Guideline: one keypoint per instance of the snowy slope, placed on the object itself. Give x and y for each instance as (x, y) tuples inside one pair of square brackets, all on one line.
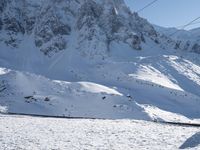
[(93, 59), (51, 133), (31, 94), (121, 94)]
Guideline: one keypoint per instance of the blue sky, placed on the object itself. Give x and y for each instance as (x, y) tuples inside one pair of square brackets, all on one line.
[(168, 13)]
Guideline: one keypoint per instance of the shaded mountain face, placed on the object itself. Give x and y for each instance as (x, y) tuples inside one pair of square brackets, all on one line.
[(53, 24)]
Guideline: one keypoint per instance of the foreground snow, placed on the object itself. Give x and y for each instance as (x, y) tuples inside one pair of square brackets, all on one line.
[(20, 132)]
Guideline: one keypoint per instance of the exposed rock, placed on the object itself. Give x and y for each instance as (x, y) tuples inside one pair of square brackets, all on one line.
[(196, 48), (47, 99), (11, 24), (95, 23), (2, 5), (1, 24)]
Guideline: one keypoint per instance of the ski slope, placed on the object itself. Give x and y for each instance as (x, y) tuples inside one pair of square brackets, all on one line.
[(147, 85), (152, 84)]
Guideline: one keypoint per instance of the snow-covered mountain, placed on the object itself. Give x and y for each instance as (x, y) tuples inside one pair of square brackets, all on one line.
[(54, 24), (93, 58), (185, 39), (193, 34)]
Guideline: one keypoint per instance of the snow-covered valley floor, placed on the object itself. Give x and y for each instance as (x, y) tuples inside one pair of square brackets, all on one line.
[(24, 132)]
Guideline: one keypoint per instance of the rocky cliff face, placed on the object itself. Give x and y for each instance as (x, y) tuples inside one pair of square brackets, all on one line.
[(90, 25), (52, 24)]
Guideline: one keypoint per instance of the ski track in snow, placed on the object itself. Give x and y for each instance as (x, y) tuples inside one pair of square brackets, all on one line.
[(50, 133)]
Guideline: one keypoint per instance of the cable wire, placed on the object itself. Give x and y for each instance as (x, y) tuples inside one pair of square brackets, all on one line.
[(183, 27), (146, 6), (190, 24)]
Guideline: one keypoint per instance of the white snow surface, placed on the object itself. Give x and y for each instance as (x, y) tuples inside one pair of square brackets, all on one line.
[(94, 59), (89, 78), (50, 133), (123, 85), (150, 84)]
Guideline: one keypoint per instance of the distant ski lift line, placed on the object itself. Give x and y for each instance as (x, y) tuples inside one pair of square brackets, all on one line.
[(149, 4), (188, 24)]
